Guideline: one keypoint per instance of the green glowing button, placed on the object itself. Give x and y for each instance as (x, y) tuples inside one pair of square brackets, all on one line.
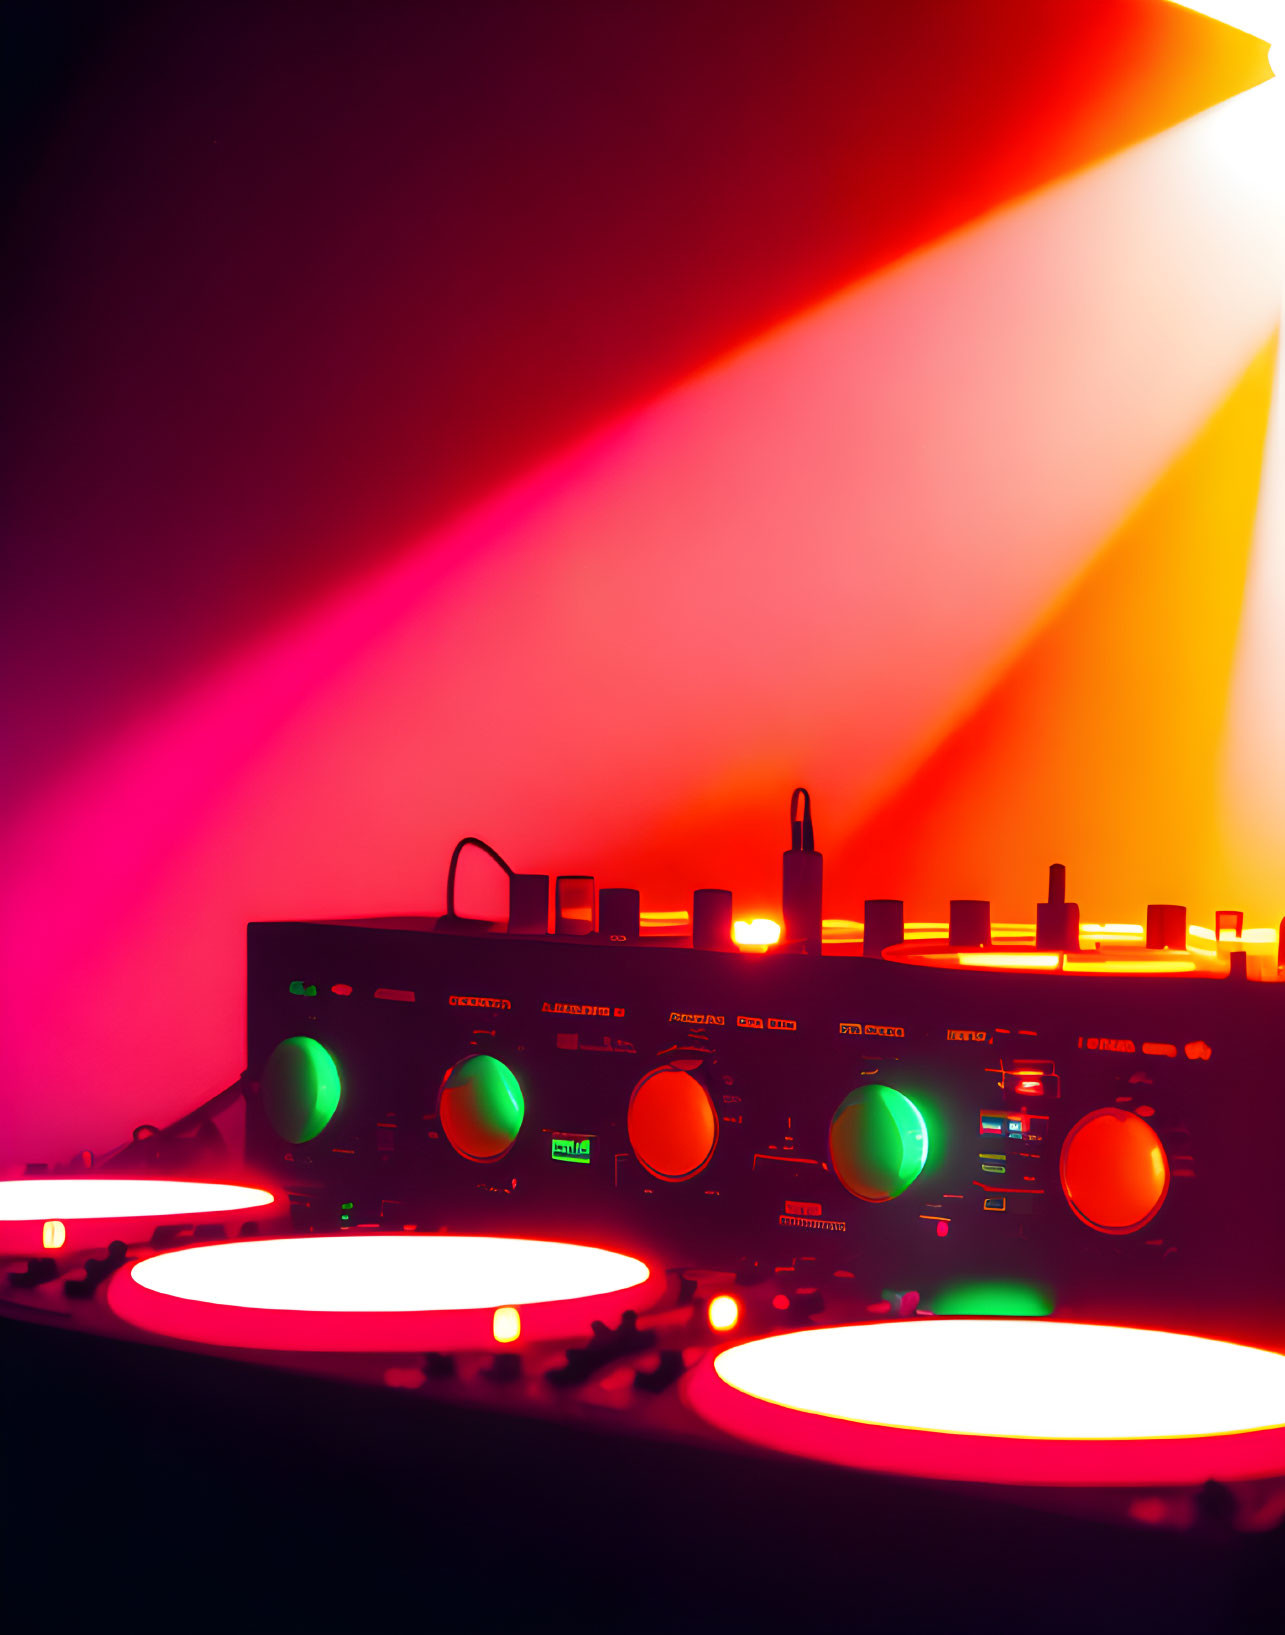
[(481, 1108), (878, 1142), (300, 1089), (993, 1299)]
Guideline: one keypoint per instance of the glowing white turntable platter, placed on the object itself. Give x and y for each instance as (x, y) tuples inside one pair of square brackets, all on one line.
[(381, 1293), (1006, 1401), (43, 1214)]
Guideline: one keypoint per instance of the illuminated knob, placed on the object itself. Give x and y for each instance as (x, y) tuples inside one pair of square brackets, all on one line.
[(481, 1108), (878, 1142), (1114, 1171), (673, 1127), (300, 1089)]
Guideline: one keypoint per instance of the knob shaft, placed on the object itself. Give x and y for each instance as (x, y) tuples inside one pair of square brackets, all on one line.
[(1166, 925), (529, 904), (712, 919), (618, 913), (970, 923), (885, 925), (1057, 922)]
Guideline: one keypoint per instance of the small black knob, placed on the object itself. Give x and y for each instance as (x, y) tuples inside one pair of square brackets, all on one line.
[(618, 914), (682, 1287), (573, 905), (504, 1367), (805, 1303), (970, 923), (668, 1369), (43, 1269), (712, 919), (96, 1271), (1057, 922), (439, 1365), (529, 904), (884, 927), (1166, 926), (605, 1345)]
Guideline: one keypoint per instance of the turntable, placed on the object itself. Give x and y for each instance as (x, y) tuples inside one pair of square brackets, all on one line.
[(617, 1269)]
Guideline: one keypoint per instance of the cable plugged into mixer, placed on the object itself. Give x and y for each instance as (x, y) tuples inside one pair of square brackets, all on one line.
[(801, 869)]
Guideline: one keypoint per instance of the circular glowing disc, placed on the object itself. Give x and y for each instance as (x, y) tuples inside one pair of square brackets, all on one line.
[(385, 1293), (300, 1089), (672, 1125), (1006, 1401), (1113, 1170), (481, 1108), (94, 1209), (878, 1142)]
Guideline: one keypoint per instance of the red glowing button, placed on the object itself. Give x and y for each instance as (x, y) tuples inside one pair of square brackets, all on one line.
[(1027, 1402), (1114, 1171), (390, 1293), (481, 1108), (673, 1127), (87, 1211)]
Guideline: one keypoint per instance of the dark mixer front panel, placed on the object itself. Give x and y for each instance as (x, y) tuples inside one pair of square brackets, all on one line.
[(1087, 1138)]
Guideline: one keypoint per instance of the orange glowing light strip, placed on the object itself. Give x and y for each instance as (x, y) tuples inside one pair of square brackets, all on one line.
[(1259, 934), (663, 922), (1005, 959), (842, 931), (1129, 967)]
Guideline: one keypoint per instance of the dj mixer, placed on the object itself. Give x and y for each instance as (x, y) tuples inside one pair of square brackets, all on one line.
[(607, 1270)]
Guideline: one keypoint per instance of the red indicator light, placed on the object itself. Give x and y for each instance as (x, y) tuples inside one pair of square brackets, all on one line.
[(781, 1302), (724, 1313), (1114, 1171), (405, 996), (342, 988), (672, 1125)]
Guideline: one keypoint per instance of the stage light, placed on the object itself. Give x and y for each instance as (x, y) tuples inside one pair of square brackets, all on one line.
[(1262, 18)]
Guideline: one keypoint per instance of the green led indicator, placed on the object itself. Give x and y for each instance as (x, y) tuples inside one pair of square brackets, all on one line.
[(307, 989), (993, 1299), (878, 1142), (570, 1150), (481, 1108), (300, 1089)]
